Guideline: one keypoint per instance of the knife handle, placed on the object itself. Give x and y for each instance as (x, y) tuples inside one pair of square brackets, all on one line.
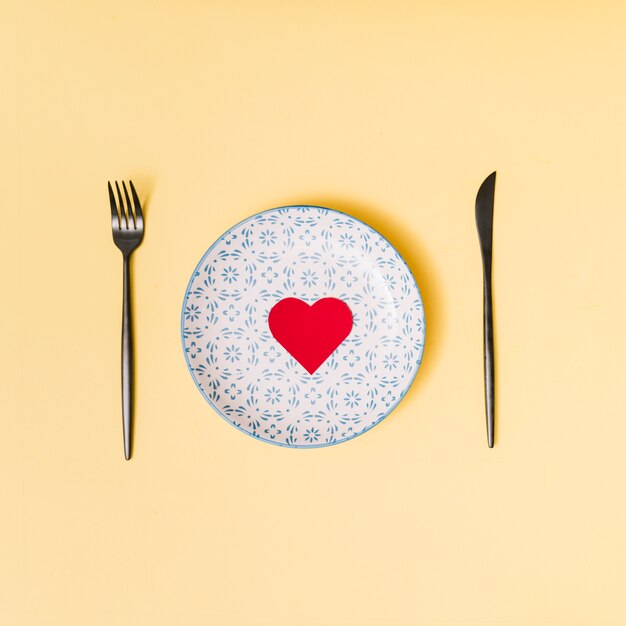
[(489, 353)]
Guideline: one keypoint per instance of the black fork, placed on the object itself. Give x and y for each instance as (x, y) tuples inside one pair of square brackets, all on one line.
[(127, 225)]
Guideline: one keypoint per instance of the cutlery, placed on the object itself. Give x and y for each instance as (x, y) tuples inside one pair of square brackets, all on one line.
[(484, 224), (127, 225)]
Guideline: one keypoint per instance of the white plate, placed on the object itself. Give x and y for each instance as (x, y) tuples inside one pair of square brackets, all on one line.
[(241, 315)]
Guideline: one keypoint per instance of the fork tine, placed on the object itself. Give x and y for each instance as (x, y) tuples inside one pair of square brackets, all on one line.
[(129, 206), (122, 207), (138, 213), (115, 217)]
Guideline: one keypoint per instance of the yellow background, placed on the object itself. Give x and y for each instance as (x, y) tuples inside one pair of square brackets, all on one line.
[(395, 112)]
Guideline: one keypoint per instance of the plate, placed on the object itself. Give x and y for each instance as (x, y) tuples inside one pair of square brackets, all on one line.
[(303, 326)]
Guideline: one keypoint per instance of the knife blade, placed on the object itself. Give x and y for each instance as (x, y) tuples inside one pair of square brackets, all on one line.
[(484, 224)]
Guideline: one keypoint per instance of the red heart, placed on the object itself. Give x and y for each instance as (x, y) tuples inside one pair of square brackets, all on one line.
[(310, 333)]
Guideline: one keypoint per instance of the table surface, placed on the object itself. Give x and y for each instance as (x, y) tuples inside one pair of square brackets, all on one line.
[(391, 111)]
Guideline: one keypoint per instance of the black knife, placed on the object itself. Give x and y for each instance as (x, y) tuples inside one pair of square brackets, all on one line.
[(484, 224)]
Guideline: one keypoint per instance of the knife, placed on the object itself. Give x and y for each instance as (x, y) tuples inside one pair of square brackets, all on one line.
[(484, 224)]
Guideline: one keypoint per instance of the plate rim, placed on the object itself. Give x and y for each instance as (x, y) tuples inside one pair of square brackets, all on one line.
[(218, 411)]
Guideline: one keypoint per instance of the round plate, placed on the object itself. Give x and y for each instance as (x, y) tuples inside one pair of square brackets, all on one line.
[(303, 326)]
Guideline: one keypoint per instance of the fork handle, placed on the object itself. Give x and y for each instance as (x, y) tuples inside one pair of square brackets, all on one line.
[(489, 353), (127, 362)]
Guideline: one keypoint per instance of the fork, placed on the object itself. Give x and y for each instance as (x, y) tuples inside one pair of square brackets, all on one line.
[(127, 225)]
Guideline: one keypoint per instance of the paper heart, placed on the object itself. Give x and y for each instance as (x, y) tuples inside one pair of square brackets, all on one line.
[(310, 333)]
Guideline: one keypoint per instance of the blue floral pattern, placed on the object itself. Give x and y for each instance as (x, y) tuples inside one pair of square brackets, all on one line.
[(308, 253)]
